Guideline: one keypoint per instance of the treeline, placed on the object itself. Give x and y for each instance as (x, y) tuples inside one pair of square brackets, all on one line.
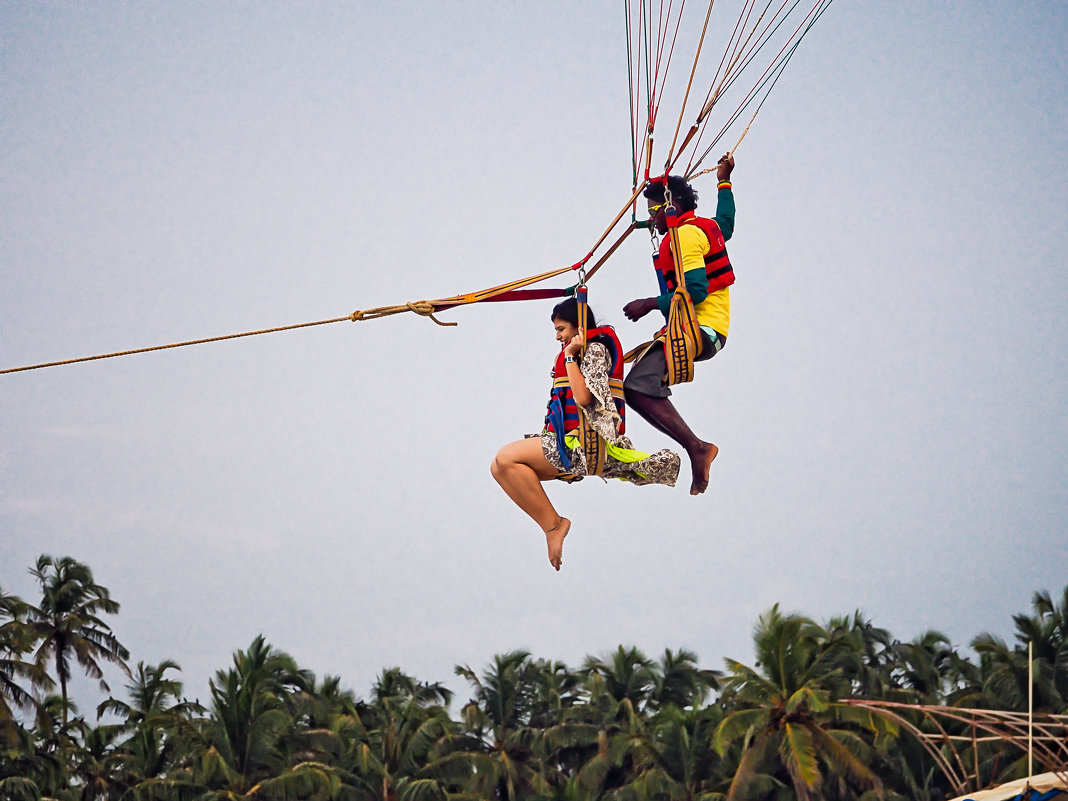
[(620, 726)]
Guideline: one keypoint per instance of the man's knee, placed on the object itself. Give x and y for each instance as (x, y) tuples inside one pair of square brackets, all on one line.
[(634, 397)]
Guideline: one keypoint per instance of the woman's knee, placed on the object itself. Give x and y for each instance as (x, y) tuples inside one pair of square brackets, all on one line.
[(504, 459), (497, 466)]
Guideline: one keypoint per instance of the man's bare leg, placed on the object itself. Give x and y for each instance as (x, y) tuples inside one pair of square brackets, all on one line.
[(663, 416), (519, 468)]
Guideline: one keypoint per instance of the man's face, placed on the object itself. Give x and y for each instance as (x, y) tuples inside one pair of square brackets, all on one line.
[(658, 215)]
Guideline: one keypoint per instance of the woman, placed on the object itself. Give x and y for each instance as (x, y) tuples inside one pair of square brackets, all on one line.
[(521, 466)]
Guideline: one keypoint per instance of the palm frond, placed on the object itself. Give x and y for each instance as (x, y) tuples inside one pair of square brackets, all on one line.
[(799, 754), (19, 789), (737, 724), (421, 790)]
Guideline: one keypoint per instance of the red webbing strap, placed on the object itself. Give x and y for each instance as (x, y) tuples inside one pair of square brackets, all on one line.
[(486, 294), (511, 295)]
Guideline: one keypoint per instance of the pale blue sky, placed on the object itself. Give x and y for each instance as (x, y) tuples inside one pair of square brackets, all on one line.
[(891, 408)]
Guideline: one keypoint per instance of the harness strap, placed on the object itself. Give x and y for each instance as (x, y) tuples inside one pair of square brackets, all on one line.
[(680, 338), (556, 419), (590, 442), (682, 342)]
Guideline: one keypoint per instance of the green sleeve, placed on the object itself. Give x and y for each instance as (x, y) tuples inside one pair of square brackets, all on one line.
[(664, 303), (696, 285), (724, 215)]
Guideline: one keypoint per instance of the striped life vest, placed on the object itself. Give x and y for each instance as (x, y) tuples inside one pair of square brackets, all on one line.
[(718, 268), (562, 416)]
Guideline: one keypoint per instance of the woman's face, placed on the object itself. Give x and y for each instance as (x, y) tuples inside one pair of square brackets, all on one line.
[(565, 332)]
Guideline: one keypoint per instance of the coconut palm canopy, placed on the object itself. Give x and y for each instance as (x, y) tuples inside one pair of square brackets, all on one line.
[(623, 725)]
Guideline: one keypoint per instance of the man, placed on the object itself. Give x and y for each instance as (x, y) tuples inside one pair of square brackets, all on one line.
[(708, 275)]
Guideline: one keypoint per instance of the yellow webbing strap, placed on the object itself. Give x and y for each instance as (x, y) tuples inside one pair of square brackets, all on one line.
[(591, 443), (682, 338), (634, 354), (683, 342), (592, 447)]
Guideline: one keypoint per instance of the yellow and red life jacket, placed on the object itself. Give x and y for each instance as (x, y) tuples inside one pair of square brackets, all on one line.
[(718, 268)]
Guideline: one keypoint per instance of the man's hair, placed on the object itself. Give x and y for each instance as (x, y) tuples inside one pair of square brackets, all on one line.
[(683, 196)]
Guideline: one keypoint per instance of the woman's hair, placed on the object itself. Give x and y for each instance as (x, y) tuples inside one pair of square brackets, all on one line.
[(683, 196), (567, 310)]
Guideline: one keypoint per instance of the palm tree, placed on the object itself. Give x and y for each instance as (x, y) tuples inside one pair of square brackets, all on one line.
[(240, 750), (55, 744), (634, 708), (1047, 631), (155, 720), (922, 669), (97, 765), (566, 736), (556, 690), (1002, 680), (328, 738), (67, 622), (621, 692), (502, 756), (401, 727), (627, 675), (677, 759), (862, 652), (679, 682), (786, 714), (251, 714), (25, 767), (15, 642)]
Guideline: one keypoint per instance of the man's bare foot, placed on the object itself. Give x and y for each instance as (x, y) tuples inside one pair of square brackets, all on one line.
[(554, 538), (701, 464)]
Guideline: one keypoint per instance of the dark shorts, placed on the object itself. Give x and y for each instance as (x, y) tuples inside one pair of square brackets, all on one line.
[(647, 374)]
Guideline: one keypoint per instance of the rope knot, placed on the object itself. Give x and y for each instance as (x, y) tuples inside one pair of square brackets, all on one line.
[(425, 308)]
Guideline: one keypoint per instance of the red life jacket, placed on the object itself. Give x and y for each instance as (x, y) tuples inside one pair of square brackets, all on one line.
[(562, 402), (718, 268)]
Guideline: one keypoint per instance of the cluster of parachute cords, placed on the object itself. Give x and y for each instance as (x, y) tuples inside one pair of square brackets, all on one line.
[(652, 30)]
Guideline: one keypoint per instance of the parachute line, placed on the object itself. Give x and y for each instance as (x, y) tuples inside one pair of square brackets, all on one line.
[(758, 27)]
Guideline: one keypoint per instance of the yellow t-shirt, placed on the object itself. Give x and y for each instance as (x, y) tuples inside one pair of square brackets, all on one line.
[(715, 310)]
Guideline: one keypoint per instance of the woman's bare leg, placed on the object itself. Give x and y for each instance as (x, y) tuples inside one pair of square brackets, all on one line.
[(519, 468)]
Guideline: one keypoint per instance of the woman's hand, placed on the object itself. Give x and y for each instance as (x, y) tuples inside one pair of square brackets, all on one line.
[(583, 396)]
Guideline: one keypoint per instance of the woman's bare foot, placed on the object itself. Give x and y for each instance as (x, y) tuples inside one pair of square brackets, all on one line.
[(701, 463), (554, 538)]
